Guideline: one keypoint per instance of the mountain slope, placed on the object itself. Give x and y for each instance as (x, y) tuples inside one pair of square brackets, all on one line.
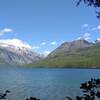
[(78, 53), (10, 54), (70, 47)]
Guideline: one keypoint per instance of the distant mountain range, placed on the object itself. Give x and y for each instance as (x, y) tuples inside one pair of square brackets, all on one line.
[(13, 55), (78, 53)]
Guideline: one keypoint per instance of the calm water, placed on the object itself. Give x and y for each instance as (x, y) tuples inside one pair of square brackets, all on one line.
[(46, 84)]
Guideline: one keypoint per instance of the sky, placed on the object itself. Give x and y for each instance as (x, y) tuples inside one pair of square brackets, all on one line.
[(45, 24)]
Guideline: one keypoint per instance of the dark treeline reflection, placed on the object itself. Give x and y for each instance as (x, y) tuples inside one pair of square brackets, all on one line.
[(90, 91)]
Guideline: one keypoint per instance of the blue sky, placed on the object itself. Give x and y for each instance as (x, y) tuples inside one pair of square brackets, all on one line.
[(45, 24)]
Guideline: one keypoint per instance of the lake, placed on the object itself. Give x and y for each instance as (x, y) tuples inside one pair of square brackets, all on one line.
[(44, 83)]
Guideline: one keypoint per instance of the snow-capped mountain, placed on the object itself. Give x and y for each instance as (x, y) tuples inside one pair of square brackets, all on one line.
[(97, 40), (16, 52)]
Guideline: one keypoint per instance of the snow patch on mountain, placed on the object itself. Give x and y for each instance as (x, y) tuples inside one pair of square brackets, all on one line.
[(15, 51), (15, 42)]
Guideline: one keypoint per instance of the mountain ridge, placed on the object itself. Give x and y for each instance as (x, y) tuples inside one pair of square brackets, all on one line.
[(72, 54), (15, 55), (69, 47)]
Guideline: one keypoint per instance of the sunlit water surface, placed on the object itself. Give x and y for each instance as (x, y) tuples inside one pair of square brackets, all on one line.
[(44, 83)]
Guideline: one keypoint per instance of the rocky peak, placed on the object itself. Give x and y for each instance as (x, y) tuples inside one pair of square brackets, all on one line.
[(71, 47), (67, 46)]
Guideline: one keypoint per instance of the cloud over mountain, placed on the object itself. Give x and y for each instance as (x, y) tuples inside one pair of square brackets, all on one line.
[(16, 42), (45, 53), (53, 43)]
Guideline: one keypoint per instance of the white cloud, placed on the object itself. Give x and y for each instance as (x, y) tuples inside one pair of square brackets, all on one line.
[(87, 36), (16, 43), (96, 28), (98, 40), (79, 38), (43, 43), (45, 53), (85, 25), (5, 30), (53, 43)]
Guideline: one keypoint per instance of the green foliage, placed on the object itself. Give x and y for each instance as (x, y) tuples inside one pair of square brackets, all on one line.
[(4, 95), (94, 3), (87, 57), (90, 90), (32, 98)]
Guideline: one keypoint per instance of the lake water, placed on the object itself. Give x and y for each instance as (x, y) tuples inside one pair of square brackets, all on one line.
[(46, 84)]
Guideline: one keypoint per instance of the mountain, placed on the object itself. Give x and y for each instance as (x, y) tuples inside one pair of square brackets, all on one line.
[(70, 47), (78, 53), (14, 55)]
